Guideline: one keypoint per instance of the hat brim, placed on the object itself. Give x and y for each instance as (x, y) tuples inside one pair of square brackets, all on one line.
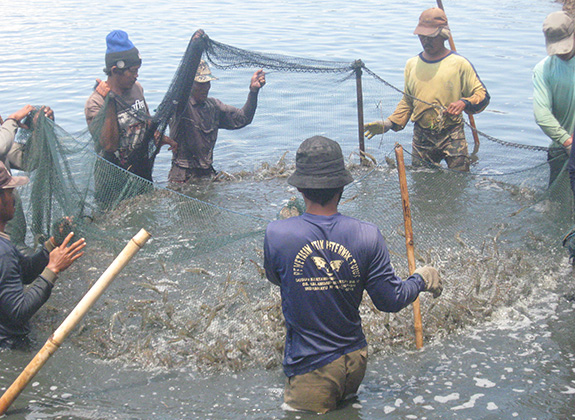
[(427, 31), (205, 78), (320, 182), (563, 46), (16, 181)]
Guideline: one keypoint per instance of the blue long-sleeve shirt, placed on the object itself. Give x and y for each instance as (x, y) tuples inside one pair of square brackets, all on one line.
[(17, 305), (323, 264)]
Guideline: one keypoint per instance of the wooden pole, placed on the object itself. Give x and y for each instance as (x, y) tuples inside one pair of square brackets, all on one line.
[(359, 93), (418, 326), (471, 118), (73, 319)]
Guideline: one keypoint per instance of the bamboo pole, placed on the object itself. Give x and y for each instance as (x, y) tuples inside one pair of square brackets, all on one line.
[(360, 123), (57, 338), (418, 326), (471, 118)]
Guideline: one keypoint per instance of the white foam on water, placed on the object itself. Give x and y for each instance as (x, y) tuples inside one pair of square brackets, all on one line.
[(388, 409), (492, 406), (483, 383), (470, 403), (447, 398)]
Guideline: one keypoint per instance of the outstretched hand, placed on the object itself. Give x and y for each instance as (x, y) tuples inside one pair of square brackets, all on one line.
[(258, 80), (377, 127), (19, 115), (63, 256)]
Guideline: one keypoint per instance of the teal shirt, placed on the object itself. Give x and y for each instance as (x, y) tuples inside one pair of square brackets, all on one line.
[(554, 98)]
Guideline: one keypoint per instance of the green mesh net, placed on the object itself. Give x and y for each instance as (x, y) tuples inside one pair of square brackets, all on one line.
[(196, 295)]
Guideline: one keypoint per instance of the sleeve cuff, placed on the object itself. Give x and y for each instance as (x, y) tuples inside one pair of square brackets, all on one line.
[(10, 124), (421, 282), (49, 245), (49, 276)]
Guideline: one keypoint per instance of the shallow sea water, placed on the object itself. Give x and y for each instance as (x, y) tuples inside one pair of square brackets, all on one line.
[(517, 363)]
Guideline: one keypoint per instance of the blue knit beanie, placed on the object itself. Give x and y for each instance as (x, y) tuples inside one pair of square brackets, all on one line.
[(120, 51)]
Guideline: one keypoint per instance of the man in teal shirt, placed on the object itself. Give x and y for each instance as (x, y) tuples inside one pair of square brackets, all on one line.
[(554, 89)]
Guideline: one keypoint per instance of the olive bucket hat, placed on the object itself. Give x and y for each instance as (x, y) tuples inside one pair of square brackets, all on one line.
[(319, 164)]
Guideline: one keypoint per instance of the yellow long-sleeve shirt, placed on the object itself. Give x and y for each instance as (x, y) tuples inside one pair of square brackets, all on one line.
[(440, 83)]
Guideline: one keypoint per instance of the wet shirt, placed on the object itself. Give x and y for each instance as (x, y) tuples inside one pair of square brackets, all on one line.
[(132, 113), (554, 98), (196, 129), (440, 82), (17, 305), (322, 265)]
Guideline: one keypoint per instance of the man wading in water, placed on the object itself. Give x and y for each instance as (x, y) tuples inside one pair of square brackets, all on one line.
[(17, 305), (323, 261), (439, 85)]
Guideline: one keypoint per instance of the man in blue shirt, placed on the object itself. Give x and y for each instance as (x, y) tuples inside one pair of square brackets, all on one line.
[(323, 261)]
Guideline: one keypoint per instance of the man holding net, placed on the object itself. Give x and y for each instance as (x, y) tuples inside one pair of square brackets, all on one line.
[(195, 126), (554, 90), (118, 116), (439, 85), (323, 261), (12, 155), (40, 271)]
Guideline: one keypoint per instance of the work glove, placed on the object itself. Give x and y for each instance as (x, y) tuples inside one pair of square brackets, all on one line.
[(432, 280), (377, 127), (61, 228), (102, 88)]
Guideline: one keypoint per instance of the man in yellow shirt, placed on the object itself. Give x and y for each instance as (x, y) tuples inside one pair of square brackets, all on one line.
[(439, 85)]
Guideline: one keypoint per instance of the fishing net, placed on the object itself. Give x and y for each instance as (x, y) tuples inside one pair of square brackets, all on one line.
[(196, 295)]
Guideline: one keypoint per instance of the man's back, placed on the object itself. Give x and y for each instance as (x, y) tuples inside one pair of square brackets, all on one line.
[(323, 264)]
